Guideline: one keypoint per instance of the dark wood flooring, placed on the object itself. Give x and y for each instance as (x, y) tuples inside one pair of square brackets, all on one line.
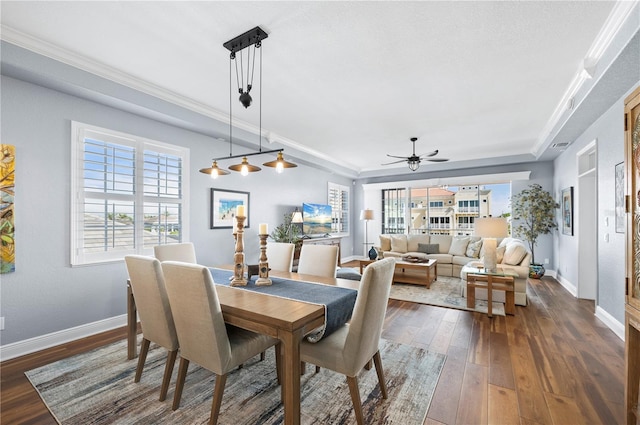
[(553, 362)]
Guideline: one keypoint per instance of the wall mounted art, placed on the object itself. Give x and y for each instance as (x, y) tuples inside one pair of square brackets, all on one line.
[(223, 208), (7, 230), (567, 211), (620, 211)]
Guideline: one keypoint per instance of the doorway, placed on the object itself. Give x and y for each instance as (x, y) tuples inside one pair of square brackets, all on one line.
[(586, 222)]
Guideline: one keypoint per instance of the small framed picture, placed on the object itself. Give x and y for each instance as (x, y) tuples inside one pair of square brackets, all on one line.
[(567, 211), (224, 204)]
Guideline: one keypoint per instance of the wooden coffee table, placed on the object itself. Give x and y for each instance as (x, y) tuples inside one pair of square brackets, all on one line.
[(410, 272)]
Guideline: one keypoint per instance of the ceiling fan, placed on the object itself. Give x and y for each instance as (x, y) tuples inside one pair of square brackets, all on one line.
[(414, 160)]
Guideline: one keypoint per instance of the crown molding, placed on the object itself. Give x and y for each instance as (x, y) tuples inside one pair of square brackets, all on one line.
[(52, 51), (589, 67)]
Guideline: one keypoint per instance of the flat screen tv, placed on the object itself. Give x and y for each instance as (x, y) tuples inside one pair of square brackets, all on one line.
[(316, 219)]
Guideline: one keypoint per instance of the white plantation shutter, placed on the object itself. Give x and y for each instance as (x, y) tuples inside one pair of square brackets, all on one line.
[(128, 195), (338, 197)]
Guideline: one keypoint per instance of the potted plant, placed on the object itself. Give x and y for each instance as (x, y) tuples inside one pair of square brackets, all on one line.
[(535, 208), (288, 232)]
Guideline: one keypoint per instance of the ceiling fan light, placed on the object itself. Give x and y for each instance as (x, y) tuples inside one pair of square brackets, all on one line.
[(414, 165)]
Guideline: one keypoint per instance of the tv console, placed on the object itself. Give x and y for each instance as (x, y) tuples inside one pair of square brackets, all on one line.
[(324, 240)]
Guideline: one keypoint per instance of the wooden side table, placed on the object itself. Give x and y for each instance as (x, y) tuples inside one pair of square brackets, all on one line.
[(491, 281), (364, 263)]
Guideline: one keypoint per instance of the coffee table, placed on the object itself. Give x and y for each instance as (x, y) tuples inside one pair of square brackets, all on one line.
[(500, 280), (410, 272)]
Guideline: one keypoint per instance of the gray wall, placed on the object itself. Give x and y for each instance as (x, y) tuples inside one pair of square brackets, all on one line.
[(45, 294)]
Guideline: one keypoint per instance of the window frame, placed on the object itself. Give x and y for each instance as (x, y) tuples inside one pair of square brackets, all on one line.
[(340, 213), (81, 131)]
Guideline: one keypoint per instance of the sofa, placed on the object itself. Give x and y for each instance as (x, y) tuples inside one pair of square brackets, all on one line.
[(455, 252)]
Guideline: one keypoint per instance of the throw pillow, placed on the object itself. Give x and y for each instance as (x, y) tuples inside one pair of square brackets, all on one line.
[(500, 254), (399, 243), (473, 249), (429, 248), (459, 246), (514, 254), (385, 242)]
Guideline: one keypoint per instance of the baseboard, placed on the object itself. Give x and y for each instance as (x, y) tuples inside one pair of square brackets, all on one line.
[(20, 348), (611, 322), (350, 258), (573, 290)]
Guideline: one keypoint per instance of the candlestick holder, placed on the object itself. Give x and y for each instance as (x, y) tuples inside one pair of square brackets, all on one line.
[(263, 265), (238, 257)]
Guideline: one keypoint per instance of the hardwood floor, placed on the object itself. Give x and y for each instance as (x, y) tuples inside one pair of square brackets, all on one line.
[(553, 362)]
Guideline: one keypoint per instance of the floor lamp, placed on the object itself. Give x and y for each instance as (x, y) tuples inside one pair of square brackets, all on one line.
[(367, 215), (490, 229)]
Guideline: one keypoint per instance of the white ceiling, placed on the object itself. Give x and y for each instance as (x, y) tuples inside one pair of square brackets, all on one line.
[(347, 81)]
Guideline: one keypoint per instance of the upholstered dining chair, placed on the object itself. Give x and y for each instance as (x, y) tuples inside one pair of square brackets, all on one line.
[(204, 337), (318, 260), (184, 252), (350, 348), (280, 256), (156, 320)]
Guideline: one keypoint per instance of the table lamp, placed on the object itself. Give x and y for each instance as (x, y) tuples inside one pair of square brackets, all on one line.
[(367, 215), (490, 229)]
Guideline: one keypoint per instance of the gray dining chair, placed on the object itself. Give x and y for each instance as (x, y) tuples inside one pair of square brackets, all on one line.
[(318, 260), (156, 320), (280, 256), (351, 347), (184, 252), (204, 337)]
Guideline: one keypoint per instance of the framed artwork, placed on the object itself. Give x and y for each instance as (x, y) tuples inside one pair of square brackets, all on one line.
[(223, 208), (7, 188), (620, 214), (567, 211)]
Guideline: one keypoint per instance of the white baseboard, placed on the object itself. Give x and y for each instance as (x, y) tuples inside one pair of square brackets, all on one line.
[(573, 290), (20, 348), (611, 322)]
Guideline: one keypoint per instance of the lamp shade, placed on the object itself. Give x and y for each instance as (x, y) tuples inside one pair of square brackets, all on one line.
[(492, 227), (366, 215), (296, 217)]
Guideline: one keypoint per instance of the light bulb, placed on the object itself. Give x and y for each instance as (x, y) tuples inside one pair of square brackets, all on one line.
[(214, 173), (244, 170), (279, 167)]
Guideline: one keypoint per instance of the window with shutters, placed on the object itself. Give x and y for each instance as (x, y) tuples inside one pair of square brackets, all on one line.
[(129, 194), (338, 198)]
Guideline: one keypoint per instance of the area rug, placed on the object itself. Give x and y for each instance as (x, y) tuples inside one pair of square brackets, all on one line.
[(444, 292), (97, 388)]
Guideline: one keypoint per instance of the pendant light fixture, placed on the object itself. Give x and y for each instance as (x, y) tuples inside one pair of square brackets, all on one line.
[(252, 38)]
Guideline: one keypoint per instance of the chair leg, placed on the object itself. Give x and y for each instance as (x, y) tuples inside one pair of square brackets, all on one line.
[(317, 369), (303, 368), (262, 356), (355, 398), (144, 349), (168, 369), (221, 380), (182, 374), (377, 360)]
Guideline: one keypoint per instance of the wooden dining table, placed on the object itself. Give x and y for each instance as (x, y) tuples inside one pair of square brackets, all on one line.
[(285, 319)]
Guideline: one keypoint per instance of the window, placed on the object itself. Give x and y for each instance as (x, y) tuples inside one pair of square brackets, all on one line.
[(128, 194), (393, 210), (338, 197)]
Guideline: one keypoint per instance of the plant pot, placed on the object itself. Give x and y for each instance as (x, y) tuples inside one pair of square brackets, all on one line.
[(536, 271)]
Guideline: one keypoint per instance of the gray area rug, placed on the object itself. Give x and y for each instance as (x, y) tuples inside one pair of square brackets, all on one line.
[(97, 388), (444, 292)]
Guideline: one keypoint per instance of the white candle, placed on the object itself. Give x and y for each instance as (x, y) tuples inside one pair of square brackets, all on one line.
[(263, 229), (240, 211)]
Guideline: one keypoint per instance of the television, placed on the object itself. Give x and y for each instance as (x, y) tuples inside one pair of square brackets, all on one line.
[(316, 219)]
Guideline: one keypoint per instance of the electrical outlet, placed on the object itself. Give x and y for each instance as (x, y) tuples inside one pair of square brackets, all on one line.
[(1, 323), (546, 261)]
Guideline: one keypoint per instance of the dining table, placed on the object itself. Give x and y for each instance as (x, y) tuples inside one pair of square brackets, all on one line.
[(286, 319)]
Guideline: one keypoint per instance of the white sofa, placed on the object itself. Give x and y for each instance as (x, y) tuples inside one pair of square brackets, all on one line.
[(453, 253)]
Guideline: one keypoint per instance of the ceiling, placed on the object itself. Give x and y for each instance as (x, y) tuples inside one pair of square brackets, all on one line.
[(346, 81)]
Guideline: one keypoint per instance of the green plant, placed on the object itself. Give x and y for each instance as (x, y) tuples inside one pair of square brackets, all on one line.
[(286, 232), (535, 209)]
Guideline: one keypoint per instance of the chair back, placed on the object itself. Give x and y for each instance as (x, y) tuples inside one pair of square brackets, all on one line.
[(184, 252), (197, 314), (318, 260), (368, 313), (148, 286), (280, 256)]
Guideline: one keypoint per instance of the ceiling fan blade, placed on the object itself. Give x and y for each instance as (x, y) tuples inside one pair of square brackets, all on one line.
[(434, 153), (437, 159), (394, 162), (394, 156)]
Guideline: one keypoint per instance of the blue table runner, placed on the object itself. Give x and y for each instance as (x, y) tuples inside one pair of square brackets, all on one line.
[(338, 302)]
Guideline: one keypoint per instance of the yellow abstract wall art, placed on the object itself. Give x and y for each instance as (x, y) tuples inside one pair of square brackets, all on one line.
[(7, 230)]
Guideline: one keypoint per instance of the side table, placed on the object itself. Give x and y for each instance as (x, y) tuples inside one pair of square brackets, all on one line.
[(503, 281), (364, 263)]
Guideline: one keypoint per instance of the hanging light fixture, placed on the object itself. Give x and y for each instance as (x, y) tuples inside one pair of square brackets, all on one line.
[(252, 38)]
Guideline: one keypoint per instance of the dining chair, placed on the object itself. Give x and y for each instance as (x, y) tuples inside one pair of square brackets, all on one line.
[(184, 252), (351, 347), (280, 256), (204, 337), (148, 286), (319, 260)]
